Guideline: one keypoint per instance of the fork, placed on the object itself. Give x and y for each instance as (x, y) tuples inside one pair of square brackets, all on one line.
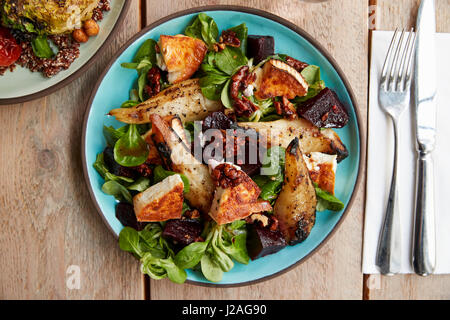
[(394, 98)]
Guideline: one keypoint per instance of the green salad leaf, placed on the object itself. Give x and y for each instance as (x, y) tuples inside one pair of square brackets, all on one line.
[(131, 150), (143, 61), (100, 165), (230, 59), (117, 190), (213, 257), (312, 75), (129, 241), (156, 259), (326, 201), (242, 34), (205, 28), (225, 95), (190, 256), (140, 185), (110, 176), (218, 67), (41, 47), (210, 269), (146, 51), (159, 174), (271, 178), (129, 104), (112, 134), (174, 273)]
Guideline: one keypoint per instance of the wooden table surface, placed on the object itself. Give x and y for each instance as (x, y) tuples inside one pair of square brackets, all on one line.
[(49, 223)]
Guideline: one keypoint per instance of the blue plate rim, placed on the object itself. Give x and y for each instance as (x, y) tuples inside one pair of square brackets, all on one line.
[(296, 29)]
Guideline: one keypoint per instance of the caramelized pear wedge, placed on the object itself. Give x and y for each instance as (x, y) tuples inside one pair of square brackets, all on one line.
[(184, 99), (295, 207), (311, 139)]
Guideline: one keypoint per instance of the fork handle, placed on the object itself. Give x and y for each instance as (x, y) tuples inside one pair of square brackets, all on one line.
[(424, 241), (388, 257)]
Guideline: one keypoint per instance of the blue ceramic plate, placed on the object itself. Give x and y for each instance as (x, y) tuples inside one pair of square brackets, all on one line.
[(114, 86)]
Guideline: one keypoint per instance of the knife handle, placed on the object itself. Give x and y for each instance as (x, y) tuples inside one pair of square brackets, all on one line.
[(424, 241)]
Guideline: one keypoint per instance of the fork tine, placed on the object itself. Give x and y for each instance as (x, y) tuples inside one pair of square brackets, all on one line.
[(403, 63), (409, 65), (387, 60), (395, 63)]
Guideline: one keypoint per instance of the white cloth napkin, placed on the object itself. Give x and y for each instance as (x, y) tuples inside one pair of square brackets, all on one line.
[(380, 158)]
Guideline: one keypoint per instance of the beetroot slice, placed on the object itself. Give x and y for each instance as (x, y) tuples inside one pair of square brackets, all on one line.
[(125, 214), (261, 241), (324, 110), (260, 47), (182, 231)]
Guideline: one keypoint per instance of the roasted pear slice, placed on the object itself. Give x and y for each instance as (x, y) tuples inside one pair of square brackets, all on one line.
[(184, 99), (295, 207), (311, 138), (168, 137)]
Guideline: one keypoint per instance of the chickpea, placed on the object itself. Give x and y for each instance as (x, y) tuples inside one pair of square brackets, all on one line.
[(80, 36), (91, 27)]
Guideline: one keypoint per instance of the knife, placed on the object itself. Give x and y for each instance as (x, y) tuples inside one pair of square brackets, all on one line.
[(424, 240)]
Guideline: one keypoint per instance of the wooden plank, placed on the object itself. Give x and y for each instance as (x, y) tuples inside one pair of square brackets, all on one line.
[(48, 220), (335, 271), (403, 13), (390, 15)]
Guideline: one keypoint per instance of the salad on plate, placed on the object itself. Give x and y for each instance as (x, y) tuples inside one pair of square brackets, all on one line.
[(226, 154)]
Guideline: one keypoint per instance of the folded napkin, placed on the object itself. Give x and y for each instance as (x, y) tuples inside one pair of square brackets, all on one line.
[(380, 160)]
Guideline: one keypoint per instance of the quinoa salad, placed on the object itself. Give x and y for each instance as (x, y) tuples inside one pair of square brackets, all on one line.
[(33, 38)]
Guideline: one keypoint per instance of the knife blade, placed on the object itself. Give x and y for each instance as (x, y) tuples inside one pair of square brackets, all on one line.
[(425, 73), (424, 246)]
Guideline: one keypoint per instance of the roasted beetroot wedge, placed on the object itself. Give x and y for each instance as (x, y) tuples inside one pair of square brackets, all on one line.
[(182, 231), (260, 47), (261, 241), (324, 110), (126, 216)]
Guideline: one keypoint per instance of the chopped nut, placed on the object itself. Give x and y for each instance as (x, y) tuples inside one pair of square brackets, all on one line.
[(285, 108), (226, 175), (228, 38), (91, 27), (80, 36)]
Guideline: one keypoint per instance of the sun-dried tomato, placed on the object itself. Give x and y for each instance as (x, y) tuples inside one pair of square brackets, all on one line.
[(153, 86)]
